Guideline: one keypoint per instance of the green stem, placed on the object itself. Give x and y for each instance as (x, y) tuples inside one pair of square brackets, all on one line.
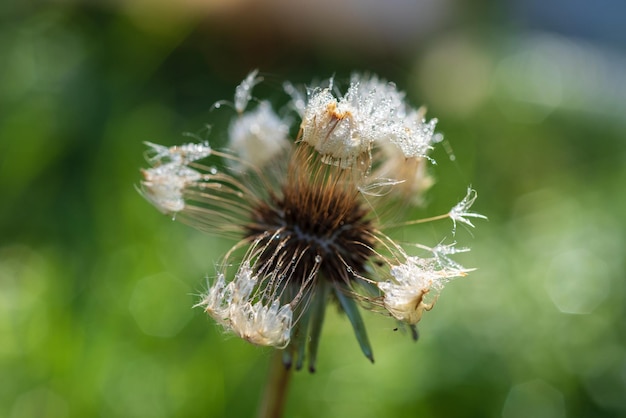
[(275, 393)]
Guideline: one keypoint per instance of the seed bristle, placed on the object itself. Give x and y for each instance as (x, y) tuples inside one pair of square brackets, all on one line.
[(316, 216)]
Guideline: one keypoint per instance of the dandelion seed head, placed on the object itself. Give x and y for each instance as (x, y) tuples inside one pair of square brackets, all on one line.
[(309, 214)]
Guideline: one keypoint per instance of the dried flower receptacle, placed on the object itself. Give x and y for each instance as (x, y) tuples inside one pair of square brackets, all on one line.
[(309, 214)]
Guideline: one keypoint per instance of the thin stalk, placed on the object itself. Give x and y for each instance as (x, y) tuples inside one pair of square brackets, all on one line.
[(275, 393), (418, 221)]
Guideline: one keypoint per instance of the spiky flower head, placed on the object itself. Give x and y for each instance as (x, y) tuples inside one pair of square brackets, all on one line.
[(309, 215)]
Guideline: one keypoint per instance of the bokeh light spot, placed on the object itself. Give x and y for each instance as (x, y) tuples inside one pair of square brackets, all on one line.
[(577, 281), (455, 74)]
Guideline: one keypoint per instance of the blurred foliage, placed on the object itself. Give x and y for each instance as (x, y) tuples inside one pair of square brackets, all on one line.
[(96, 287)]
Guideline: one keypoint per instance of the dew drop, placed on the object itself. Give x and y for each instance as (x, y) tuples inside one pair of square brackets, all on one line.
[(213, 170), (318, 259)]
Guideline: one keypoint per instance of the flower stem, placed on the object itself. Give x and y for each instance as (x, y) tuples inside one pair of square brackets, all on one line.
[(275, 393)]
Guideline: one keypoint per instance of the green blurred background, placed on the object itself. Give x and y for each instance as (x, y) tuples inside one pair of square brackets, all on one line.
[(96, 287)]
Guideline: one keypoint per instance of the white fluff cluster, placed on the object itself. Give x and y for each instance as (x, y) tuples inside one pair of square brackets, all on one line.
[(258, 135), (164, 183), (404, 296), (371, 113), (231, 305), (263, 325), (163, 186)]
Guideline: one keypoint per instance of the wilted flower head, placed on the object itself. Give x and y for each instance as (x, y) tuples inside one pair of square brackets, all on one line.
[(309, 214)]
